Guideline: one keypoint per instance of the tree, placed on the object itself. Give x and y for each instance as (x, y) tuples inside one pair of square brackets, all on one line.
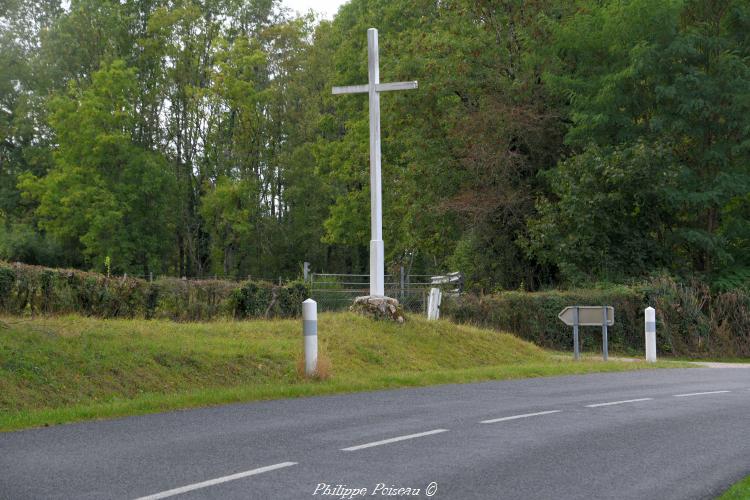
[(666, 76), (105, 196)]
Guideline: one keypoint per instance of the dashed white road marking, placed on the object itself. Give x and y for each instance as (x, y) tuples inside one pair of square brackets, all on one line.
[(698, 394), (618, 402), (393, 440), (218, 480), (516, 417)]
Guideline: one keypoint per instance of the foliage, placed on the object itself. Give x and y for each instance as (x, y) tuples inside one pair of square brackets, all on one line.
[(611, 219), (550, 142), (105, 195), (690, 319), (31, 290), (667, 79), (533, 316)]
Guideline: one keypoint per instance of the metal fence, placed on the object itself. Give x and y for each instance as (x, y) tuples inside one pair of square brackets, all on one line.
[(334, 292)]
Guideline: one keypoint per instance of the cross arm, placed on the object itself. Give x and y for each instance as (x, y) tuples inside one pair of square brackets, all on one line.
[(380, 87), (351, 89)]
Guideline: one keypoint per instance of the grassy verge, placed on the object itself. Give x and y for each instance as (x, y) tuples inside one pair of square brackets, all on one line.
[(740, 491), (56, 370)]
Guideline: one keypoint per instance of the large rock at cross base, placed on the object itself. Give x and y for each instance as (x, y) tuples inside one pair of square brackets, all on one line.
[(376, 307)]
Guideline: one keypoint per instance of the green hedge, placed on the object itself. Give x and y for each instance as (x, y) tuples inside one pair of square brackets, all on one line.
[(31, 290), (691, 321)]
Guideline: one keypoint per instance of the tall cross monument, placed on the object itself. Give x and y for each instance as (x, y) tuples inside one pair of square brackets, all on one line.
[(373, 89)]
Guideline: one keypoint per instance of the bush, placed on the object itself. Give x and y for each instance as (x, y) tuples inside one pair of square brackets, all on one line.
[(32, 290), (264, 300), (533, 316), (691, 321)]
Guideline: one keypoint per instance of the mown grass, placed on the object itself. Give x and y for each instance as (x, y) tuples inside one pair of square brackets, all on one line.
[(56, 370), (740, 491)]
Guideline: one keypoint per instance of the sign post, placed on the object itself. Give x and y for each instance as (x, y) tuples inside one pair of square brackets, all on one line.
[(373, 89), (576, 316)]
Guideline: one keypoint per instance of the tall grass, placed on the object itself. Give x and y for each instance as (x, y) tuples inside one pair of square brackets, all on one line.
[(57, 369)]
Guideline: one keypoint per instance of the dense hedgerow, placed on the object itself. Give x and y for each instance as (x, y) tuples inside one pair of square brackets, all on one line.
[(34, 290), (690, 319)]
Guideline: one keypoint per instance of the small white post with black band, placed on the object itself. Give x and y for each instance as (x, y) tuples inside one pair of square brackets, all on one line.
[(576, 347), (650, 317), (605, 347), (310, 332)]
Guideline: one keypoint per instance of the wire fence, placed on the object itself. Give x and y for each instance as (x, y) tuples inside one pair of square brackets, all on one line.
[(335, 292), (154, 276)]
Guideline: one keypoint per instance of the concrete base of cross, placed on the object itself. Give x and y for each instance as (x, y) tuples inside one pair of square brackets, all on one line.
[(385, 308)]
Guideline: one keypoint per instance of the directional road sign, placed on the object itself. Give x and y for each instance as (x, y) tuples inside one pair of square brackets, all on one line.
[(587, 315)]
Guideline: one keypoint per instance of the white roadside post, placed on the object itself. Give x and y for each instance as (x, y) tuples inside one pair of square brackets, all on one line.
[(650, 317), (373, 88), (605, 346), (310, 332), (433, 304)]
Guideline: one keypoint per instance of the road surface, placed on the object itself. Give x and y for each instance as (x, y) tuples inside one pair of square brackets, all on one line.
[(655, 434)]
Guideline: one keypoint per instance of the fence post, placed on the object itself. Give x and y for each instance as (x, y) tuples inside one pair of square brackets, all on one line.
[(402, 283), (650, 317), (310, 333)]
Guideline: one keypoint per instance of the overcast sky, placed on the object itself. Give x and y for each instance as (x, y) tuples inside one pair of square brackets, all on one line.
[(327, 8)]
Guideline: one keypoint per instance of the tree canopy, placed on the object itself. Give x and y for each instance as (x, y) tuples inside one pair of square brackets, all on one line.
[(550, 142)]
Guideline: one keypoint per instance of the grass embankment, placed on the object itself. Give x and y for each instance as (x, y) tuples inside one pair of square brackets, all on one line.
[(740, 491), (55, 370)]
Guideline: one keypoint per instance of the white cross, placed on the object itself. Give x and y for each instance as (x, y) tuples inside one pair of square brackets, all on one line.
[(373, 88)]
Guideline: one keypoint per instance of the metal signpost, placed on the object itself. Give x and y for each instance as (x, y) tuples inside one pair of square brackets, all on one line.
[(373, 89), (576, 316)]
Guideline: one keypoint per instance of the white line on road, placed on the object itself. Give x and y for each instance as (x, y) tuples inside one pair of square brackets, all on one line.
[(698, 394), (515, 417), (618, 402), (393, 440), (218, 480)]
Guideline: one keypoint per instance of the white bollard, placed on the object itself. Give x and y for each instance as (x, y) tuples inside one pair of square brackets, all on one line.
[(310, 332), (650, 316)]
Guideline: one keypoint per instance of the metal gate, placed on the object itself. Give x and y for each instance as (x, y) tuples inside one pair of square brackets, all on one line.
[(336, 292)]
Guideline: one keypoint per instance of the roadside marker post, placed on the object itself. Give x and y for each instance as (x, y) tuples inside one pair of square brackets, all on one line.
[(310, 333), (605, 347), (650, 319), (576, 348), (577, 316)]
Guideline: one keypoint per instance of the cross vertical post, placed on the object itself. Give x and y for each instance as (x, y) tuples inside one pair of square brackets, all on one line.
[(373, 89), (377, 249)]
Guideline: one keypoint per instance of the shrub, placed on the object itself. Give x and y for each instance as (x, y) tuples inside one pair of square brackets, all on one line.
[(35, 290), (691, 321), (533, 316)]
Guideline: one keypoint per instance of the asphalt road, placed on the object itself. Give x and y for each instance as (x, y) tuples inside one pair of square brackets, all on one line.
[(660, 440)]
